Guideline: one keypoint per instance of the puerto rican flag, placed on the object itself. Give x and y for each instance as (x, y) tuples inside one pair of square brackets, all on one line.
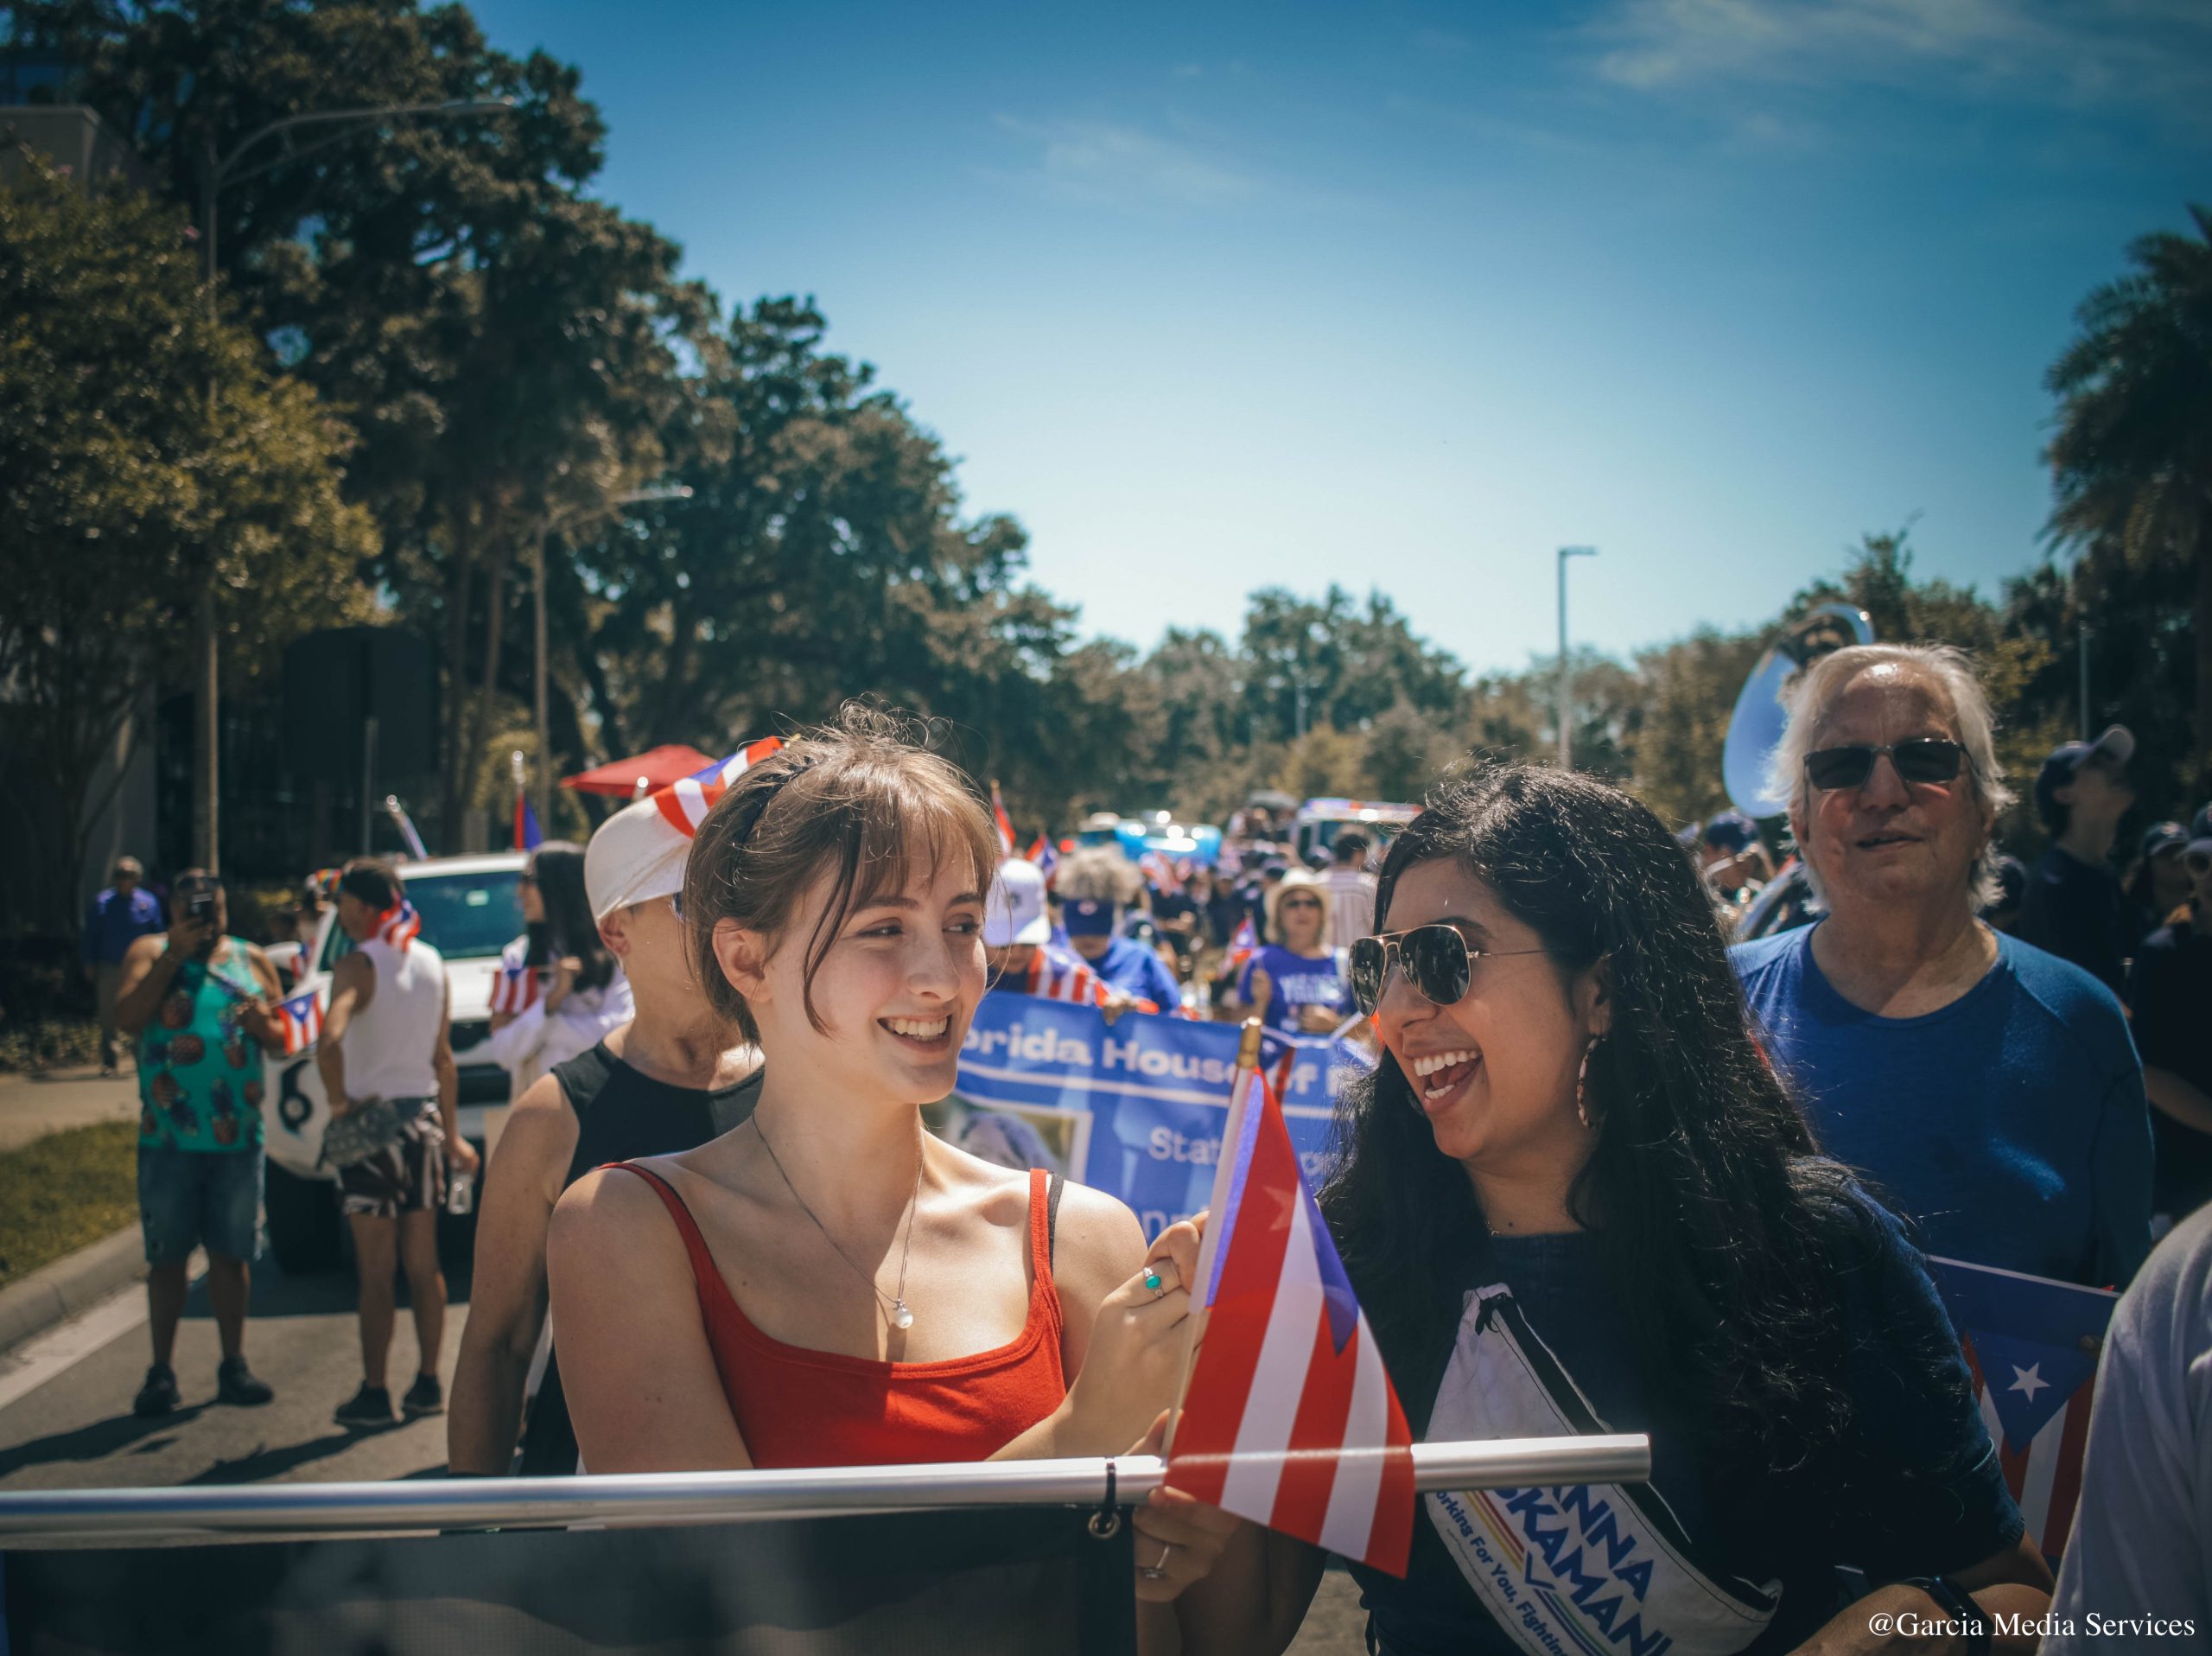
[(528, 835), (1053, 976), (1004, 823), (517, 989), (1042, 853), (1243, 946), (300, 1019), (1162, 872), (400, 926), (1290, 1420), (2032, 1345), (685, 803)]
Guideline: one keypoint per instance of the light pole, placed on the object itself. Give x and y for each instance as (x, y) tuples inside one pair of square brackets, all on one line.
[(1567, 673), (542, 724), (214, 173)]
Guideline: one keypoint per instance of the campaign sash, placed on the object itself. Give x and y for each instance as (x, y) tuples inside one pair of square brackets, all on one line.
[(1576, 1568)]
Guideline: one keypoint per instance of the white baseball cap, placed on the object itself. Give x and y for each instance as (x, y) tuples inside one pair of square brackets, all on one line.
[(636, 856), (1014, 912)]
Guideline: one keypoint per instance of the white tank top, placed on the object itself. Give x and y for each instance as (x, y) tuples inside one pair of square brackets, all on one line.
[(388, 1046)]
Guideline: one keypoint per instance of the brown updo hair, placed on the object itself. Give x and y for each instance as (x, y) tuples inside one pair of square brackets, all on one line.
[(864, 798)]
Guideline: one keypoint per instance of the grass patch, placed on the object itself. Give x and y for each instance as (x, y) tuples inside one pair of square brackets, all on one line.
[(59, 1193)]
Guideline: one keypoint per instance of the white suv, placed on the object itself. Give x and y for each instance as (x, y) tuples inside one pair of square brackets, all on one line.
[(471, 909)]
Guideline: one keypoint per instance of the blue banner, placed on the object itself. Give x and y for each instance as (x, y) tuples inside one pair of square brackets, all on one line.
[(1135, 1108)]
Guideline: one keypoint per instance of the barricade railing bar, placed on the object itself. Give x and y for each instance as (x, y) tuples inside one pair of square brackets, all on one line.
[(67, 1517)]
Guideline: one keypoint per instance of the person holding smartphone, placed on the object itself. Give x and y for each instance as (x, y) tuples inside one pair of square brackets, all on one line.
[(197, 1002)]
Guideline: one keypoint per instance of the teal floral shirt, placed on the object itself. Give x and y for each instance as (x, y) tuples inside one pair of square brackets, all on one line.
[(200, 1077)]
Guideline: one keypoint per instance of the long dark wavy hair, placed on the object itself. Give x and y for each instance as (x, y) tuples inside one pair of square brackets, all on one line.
[(1715, 1220), (567, 928)]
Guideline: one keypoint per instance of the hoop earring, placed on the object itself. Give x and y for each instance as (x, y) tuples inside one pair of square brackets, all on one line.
[(1581, 1082)]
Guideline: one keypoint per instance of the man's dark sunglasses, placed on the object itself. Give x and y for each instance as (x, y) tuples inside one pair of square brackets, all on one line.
[(1436, 960), (1922, 760)]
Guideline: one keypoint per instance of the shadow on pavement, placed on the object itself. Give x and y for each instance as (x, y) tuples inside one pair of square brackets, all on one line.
[(275, 1462), (328, 1293), (92, 1442)]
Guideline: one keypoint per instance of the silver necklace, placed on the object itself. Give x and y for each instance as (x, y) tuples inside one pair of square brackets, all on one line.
[(895, 1304)]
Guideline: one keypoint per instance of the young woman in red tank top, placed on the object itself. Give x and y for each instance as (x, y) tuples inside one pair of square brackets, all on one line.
[(829, 1284)]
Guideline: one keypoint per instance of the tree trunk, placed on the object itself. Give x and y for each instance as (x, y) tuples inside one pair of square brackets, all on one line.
[(458, 702), (480, 725)]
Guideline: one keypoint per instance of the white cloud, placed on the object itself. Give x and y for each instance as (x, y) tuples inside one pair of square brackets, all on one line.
[(2154, 54), (1108, 161)]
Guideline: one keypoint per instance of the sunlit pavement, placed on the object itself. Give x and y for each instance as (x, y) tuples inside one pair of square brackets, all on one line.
[(32, 1106), (75, 1429)]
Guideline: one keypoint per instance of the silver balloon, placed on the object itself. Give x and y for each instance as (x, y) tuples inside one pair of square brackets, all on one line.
[(1755, 729)]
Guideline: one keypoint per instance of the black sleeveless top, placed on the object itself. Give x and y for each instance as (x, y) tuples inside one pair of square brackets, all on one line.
[(622, 1114)]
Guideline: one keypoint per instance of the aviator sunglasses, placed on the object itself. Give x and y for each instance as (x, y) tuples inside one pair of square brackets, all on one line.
[(1436, 960), (1921, 761)]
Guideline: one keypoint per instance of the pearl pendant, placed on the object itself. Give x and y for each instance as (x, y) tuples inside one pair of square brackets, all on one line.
[(901, 1317)]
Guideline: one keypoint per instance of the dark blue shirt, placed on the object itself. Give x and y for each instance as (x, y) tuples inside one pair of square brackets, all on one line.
[(1136, 969), (1915, 1488), (114, 923), (2077, 912), (2009, 1128)]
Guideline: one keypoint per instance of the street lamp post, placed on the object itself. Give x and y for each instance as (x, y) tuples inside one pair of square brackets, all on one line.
[(539, 692), (1567, 673), (214, 174)]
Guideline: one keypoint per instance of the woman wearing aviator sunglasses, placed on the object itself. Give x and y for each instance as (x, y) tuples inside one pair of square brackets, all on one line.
[(1574, 1199)]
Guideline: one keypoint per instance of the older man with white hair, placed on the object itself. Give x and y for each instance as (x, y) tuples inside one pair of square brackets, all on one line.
[(1990, 1090)]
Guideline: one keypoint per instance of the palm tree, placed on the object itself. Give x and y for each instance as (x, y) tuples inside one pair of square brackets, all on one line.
[(2132, 456)]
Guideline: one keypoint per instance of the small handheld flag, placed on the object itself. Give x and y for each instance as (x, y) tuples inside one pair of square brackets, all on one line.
[(528, 835), (517, 989), (300, 1019), (2032, 1345), (1290, 1419), (999, 817), (686, 802)]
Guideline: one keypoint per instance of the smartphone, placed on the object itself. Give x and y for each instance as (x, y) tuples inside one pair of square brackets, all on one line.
[(200, 909)]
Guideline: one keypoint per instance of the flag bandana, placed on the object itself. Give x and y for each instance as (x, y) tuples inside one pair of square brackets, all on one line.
[(517, 989), (1290, 1420), (300, 1020), (399, 925), (2032, 1345), (684, 804)]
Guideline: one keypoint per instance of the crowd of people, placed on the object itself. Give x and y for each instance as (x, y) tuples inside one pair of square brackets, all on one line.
[(1608, 1172)]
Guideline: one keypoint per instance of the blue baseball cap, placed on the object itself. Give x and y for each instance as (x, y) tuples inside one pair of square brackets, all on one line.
[(2161, 837), (1090, 917), (2116, 745), (1731, 831)]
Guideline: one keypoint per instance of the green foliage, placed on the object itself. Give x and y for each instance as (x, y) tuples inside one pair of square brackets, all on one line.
[(148, 456), (2132, 456)]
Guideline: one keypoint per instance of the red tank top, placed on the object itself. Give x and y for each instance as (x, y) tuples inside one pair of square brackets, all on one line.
[(801, 1408)]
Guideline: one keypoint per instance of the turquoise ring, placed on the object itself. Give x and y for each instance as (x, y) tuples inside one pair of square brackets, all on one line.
[(1152, 1280)]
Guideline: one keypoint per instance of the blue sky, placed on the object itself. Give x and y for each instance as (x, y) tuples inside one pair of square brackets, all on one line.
[(1216, 297)]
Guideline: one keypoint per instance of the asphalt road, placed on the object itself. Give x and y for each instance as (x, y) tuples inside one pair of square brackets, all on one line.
[(73, 1429)]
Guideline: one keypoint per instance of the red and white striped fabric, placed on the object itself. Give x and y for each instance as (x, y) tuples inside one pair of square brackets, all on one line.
[(517, 989), (400, 926), (1053, 976), (1163, 875), (2045, 1477), (1004, 823), (1290, 1420), (685, 803), (1241, 947)]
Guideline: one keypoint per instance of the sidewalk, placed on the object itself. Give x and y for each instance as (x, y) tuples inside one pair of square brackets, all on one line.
[(32, 1106)]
